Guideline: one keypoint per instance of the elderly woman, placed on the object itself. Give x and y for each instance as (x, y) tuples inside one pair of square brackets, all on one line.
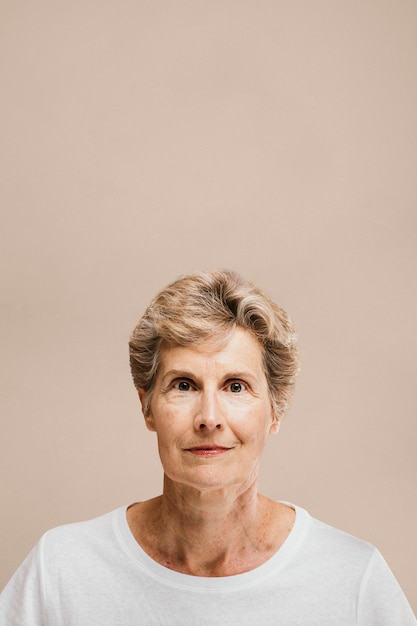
[(214, 362)]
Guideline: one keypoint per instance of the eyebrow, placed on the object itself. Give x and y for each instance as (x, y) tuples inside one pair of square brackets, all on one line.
[(175, 372), (242, 374)]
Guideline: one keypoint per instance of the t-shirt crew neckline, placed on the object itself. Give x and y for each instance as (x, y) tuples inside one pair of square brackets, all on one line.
[(177, 579)]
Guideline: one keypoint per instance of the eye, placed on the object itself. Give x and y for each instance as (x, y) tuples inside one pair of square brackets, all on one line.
[(236, 387), (182, 385)]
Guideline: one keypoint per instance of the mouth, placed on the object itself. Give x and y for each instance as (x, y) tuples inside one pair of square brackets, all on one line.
[(208, 450)]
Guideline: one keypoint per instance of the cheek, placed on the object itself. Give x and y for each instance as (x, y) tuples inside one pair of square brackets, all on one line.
[(255, 428), (169, 425)]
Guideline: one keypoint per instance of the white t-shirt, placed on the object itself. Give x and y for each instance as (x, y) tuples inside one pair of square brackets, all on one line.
[(95, 573)]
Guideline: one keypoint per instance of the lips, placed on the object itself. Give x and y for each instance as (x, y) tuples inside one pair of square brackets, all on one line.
[(208, 450)]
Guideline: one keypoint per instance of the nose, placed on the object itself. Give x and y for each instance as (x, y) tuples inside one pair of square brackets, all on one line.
[(208, 416)]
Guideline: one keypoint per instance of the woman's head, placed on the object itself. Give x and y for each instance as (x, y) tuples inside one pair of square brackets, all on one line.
[(208, 306)]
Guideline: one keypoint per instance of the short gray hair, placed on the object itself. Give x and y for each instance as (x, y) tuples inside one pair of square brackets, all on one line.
[(209, 306)]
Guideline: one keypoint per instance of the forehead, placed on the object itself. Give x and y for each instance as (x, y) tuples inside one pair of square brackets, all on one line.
[(241, 350)]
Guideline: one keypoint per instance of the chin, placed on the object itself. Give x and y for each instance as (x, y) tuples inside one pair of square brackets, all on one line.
[(204, 481)]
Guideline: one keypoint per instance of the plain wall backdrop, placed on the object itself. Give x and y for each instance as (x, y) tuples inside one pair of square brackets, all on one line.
[(141, 140)]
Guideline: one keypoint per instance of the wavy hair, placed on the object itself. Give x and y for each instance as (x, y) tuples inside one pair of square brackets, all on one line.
[(208, 306)]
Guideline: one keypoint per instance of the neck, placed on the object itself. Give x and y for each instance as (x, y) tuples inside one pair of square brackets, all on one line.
[(208, 513), (209, 533)]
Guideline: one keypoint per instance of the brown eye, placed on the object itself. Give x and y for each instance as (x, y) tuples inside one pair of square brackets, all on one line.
[(183, 385), (236, 387)]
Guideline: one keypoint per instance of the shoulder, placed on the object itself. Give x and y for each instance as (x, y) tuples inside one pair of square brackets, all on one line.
[(67, 557), (332, 537), (69, 545), (349, 572), (68, 548), (330, 547), (80, 536)]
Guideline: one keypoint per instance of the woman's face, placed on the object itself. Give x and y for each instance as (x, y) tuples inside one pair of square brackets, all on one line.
[(212, 413)]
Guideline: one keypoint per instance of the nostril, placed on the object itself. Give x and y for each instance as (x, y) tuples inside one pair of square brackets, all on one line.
[(203, 426)]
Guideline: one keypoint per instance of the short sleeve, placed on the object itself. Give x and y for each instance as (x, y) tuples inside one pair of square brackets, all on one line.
[(381, 599), (21, 601)]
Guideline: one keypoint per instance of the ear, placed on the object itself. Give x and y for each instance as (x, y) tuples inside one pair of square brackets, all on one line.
[(276, 422), (150, 424), (274, 428)]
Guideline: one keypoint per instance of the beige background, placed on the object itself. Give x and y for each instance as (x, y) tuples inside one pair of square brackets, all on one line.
[(144, 139)]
